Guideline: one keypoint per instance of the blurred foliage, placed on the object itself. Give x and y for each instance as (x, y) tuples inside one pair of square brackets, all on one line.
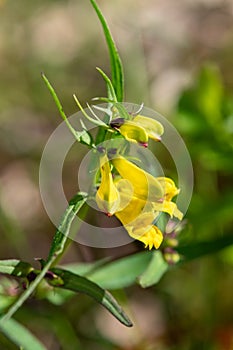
[(191, 308), (204, 117)]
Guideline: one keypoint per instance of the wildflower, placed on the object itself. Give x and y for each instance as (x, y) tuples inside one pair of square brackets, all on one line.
[(138, 215), (166, 205), (153, 128), (136, 198), (107, 196), (145, 185), (139, 223), (139, 129)]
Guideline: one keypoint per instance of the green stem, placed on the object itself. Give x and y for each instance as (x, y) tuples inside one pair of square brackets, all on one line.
[(57, 248), (27, 293), (68, 241), (60, 236), (59, 106)]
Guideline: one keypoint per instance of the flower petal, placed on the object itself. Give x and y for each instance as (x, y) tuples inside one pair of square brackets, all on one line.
[(107, 196), (169, 187), (168, 207), (146, 186), (153, 128), (132, 211), (134, 133), (139, 224), (125, 190), (151, 238)]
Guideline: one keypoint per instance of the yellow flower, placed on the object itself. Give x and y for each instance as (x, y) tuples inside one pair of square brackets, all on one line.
[(139, 129), (140, 206), (169, 186), (152, 238), (166, 205), (107, 196), (152, 127), (145, 186), (134, 133), (139, 222), (136, 199)]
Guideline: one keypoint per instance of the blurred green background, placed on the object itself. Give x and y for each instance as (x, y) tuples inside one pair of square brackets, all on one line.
[(178, 59)]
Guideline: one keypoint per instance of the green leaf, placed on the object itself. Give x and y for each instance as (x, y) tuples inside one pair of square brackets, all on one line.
[(84, 137), (119, 111), (111, 91), (20, 336), (61, 295), (15, 267), (116, 65), (83, 269), (80, 284), (81, 136), (96, 121), (64, 228), (199, 249), (57, 248), (123, 272), (155, 270)]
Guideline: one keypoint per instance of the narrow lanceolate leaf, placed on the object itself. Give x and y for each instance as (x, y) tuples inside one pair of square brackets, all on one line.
[(155, 270), (57, 248), (110, 88), (81, 136), (199, 249), (15, 267), (123, 272), (20, 336), (116, 65), (64, 228), (80, 284), (83, 269)]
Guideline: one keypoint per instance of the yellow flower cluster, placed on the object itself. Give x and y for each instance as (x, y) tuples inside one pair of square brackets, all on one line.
[(134, 196)]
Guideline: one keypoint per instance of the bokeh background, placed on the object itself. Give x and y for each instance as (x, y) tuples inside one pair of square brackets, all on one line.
[(178, 59)]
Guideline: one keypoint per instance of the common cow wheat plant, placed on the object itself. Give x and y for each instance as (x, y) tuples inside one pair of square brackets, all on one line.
[(142, 203)]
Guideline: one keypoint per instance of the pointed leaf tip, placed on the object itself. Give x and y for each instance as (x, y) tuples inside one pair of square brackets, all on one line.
[(81, 284)]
